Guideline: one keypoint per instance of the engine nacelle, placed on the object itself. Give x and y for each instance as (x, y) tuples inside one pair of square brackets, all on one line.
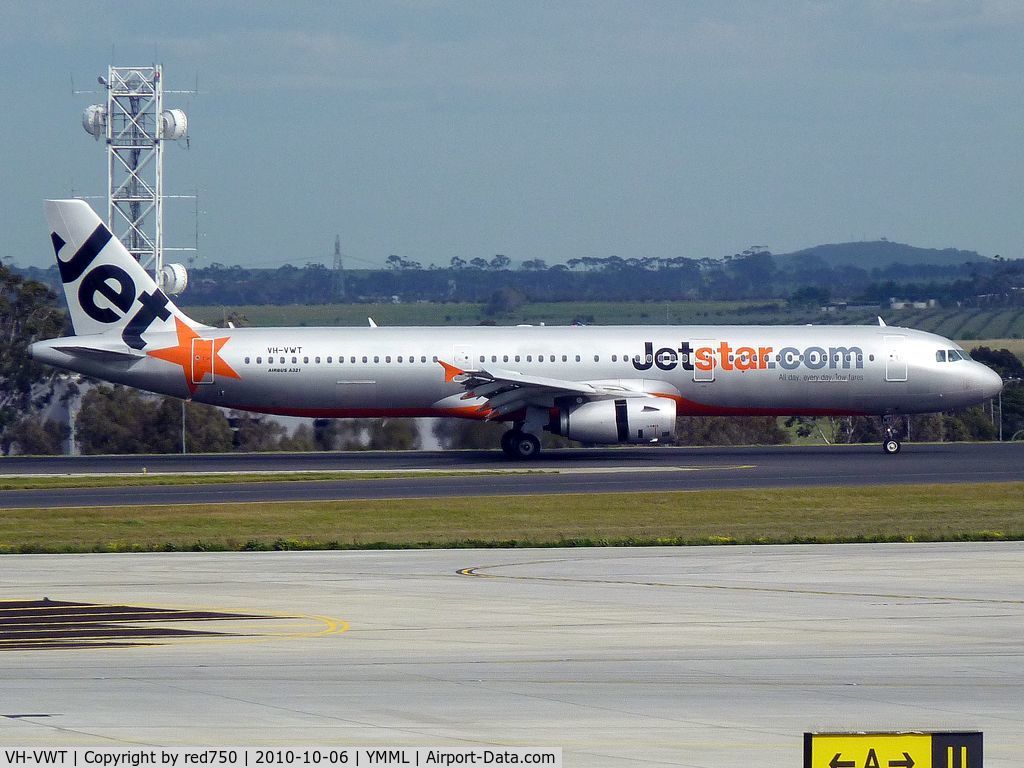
[(626, 420)]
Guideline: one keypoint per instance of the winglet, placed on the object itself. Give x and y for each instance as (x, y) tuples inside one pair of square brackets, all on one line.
[(881, 322), (450, 372)]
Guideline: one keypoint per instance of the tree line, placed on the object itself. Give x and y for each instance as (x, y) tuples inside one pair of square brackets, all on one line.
[(753, 274)]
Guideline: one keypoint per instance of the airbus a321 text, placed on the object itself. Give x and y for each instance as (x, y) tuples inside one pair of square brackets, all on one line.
[(593, 384)]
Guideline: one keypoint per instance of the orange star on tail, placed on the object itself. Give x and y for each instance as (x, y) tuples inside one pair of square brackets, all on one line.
[(199, 362)]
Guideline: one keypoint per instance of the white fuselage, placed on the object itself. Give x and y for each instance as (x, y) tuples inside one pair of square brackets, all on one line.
[(344, 372)]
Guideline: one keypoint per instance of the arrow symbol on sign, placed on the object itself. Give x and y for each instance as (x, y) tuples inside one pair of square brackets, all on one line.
[(906, 762), (837, 763)]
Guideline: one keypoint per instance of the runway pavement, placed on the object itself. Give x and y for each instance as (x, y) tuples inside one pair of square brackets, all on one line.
[(699, 657), (569, 471)]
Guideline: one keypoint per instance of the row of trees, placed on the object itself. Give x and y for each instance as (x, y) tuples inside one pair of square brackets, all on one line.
[(28, 313), (755, 273), (115, 419), (119, 420)]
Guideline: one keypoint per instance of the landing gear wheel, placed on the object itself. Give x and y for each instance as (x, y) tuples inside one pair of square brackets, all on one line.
[(520, 445), (891, 446), (506, 441)]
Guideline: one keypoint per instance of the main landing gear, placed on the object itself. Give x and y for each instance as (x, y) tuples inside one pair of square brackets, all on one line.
[(520, 445)]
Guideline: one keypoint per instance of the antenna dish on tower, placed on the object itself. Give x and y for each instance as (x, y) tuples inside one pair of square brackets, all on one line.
[(94, 120), (173, 279), (173, 124), (134, 126)]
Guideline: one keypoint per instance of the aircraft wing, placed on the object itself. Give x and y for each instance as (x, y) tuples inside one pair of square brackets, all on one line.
[(510, 391)]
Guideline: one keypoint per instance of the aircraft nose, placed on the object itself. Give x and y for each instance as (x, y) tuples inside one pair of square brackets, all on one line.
[(988, 381)]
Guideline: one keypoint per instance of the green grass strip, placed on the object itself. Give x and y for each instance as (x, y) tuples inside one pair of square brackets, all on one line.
[(990, 511), (28, 482)]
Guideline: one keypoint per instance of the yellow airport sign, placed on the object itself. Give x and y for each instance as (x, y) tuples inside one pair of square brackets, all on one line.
[(915, 749)]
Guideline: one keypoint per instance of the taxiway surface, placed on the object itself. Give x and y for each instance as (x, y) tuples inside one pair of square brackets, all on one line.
[(699, 657), (568, 471)]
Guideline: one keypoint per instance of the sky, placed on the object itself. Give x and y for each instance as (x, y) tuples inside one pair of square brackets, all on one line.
[(535, 129)]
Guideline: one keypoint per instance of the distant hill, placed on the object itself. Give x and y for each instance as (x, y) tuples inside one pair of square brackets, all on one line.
[(874, 254)]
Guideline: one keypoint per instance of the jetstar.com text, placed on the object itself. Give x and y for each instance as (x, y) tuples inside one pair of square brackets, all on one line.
[(748, 358)]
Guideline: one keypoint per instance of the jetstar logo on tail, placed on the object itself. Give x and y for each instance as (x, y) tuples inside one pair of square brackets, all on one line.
[(112, 284), (200, 362)]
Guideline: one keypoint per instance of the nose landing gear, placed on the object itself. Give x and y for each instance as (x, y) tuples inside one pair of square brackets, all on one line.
[(891, 444)]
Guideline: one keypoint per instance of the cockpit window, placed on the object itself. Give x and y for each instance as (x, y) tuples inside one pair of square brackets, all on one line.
[(940, 356), (954, 355)]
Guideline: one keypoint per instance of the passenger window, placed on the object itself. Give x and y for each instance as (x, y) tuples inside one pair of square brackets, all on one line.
[(247, 361), (282, 361), (940, 356), (330, 359), (482, 360), (294, 360), (529, 358), (365, 359), (615, 358), (376, 358), (305, 361), (577, 358), (517, 358), (565, 358), (504, 358), (259, 361), (597, 358)]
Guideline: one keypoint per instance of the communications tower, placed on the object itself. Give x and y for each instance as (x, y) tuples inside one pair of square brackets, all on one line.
[(135, 126)]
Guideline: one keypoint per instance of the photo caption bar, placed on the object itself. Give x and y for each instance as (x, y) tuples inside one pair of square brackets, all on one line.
[(246, 757)]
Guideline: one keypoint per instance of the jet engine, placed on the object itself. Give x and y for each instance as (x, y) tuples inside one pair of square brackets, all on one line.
[(626, 420)]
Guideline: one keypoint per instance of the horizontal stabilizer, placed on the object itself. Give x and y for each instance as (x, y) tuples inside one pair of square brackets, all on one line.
[(98, 354)]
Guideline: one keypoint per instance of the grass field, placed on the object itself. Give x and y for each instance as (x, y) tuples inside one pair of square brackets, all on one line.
[(904, 513), (1014, 345), (30, 482), (965, 324)]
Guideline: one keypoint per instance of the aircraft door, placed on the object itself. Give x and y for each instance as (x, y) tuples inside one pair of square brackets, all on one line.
[(202, 361), (704, 363), (463, 357), (895, 358)]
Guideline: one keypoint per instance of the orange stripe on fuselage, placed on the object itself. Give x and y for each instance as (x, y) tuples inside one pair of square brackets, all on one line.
[(687, 407), (465, 412)]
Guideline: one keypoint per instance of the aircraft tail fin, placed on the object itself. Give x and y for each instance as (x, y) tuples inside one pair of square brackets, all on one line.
[(105, 287)]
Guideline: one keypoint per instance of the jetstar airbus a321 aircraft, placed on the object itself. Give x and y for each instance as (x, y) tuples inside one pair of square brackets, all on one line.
[(622, 384)]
